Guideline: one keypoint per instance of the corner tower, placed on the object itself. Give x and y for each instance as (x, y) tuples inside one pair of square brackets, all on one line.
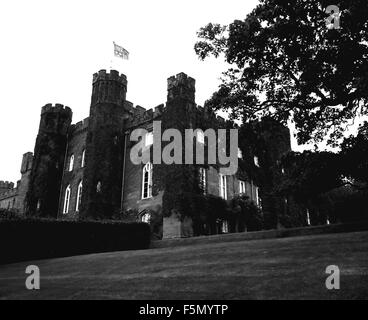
[(48, 162), (104, 146)]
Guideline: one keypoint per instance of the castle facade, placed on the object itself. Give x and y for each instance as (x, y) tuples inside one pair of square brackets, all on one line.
[(84, 171)]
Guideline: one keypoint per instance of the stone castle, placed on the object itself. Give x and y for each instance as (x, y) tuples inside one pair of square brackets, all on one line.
[(83, 170)]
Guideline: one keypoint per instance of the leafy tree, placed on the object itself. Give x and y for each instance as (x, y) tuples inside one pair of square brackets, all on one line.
[(286, 63), (354, 151), (310, 174)]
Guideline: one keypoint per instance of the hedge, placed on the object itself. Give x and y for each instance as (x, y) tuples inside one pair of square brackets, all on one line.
[(32, 239)]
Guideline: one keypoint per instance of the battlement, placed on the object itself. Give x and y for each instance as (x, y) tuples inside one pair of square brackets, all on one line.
[(181, 79), (8, 194), (140, 115), (48, 108), (6, 185), (79, 126), (114, 75)]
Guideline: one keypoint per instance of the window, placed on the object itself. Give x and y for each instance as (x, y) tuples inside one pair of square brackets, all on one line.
[(308, 218), (83, 159), (148, 139), (203, 180), (258, 202), (225, 227), (147, 181), (71, 163), (223, 186), (241, 187), (79, 196), (99, 187), (240, 154), (200, 136), (256, 161), (146, 218), (67, 200)]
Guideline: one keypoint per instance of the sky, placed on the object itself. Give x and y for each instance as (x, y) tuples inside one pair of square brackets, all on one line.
[(50, 50)]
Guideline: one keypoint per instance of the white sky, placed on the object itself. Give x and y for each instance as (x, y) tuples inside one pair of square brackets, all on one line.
[(50, 49)]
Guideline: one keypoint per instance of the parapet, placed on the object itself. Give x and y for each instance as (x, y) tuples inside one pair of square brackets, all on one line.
[(79, 126), (140, 115), (180, 79), (113, 75), (48, 108), (6, 186)]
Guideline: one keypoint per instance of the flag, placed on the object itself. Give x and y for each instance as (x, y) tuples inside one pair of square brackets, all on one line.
[(120, 52)]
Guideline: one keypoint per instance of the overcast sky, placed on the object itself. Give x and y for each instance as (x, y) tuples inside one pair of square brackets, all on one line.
[(50, 49)]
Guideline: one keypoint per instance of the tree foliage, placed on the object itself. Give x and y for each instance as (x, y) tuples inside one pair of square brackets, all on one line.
[(286, 63), (310, 174), (354, 151)]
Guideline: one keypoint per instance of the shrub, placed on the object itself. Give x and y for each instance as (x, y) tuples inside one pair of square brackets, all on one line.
[(249, 215), (24, 239)]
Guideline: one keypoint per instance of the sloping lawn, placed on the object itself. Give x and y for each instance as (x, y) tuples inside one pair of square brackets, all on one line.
[(290, 268)]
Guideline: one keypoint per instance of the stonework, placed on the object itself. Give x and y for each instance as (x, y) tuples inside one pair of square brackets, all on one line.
[(94, 154)]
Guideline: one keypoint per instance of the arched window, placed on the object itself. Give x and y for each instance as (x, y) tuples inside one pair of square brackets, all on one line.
[(256, 161), (83, 158), (223, 186), (225, 227), (67, 200), (242, 187), (71, 163), (146, 218), (99, 187), (203, 180), (147, 181), (79, 196)]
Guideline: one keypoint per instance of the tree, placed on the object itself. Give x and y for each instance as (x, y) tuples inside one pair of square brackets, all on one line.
[(354, 151), (286, 63), (310, 174)]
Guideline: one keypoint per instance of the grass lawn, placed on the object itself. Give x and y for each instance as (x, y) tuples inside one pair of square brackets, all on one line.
[(289, 268)]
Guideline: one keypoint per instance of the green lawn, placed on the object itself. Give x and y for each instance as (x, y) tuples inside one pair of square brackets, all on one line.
[(289, 268)]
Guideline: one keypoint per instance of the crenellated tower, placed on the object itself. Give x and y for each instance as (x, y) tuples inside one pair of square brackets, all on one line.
[(104, 147), (49, 155)]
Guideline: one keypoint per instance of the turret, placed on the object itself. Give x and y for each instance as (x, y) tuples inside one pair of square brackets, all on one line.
[(48, 162), (23, 184), (181, 86), (104, 147)]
